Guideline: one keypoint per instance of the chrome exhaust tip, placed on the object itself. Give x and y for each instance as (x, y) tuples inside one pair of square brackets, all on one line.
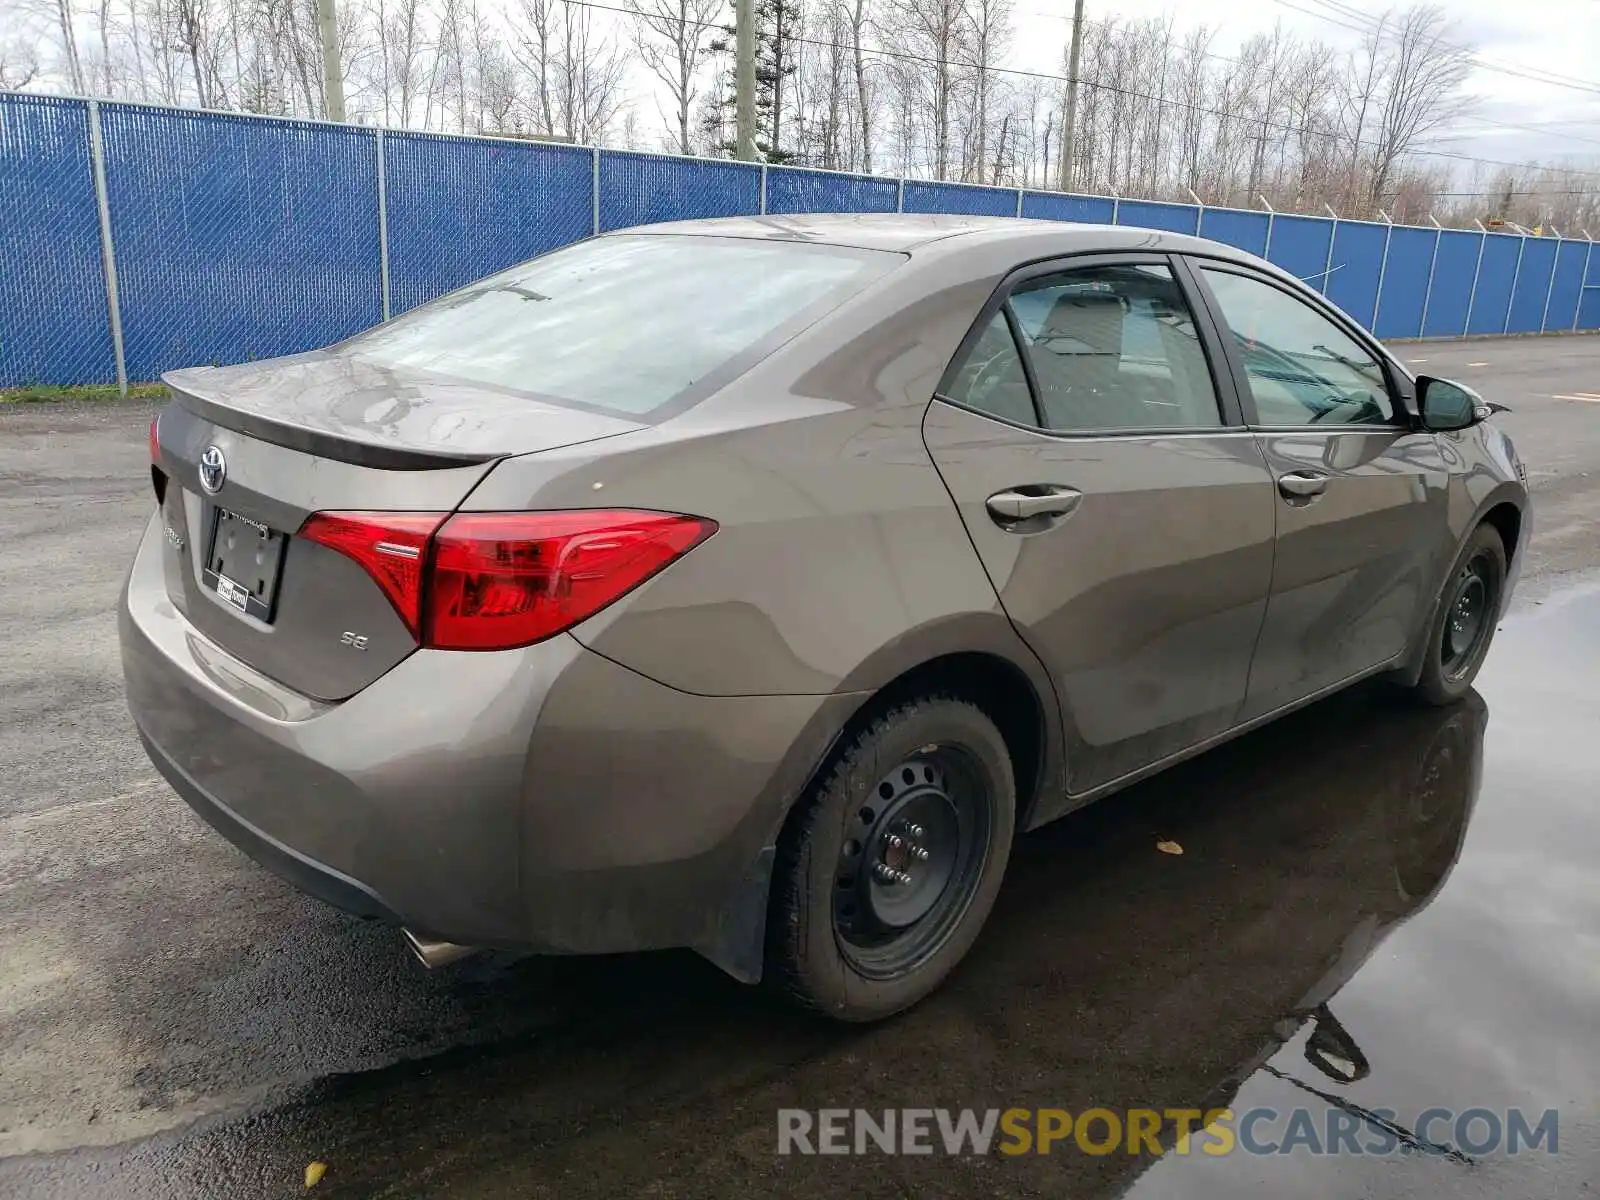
[(434, 954)]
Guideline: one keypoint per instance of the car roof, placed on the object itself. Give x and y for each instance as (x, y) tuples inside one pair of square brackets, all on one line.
[(922, 233)]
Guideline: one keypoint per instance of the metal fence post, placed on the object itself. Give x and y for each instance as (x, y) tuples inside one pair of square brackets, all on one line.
[(1272, 215), (900, 195), (1544, 313), (1327, 266), (1383, 269), (1019, 202), (763, 189), (594, 192), (108, 254), (1516, 275), (1427, 295), (1477, 269), (383, 225), (1583, 283)]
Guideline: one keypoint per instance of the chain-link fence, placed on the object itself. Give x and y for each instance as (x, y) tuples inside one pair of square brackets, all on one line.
[(54, 321), (138, 239)]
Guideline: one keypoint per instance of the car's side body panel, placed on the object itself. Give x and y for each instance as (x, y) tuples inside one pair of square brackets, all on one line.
[(1356, 567), (1145, 603)]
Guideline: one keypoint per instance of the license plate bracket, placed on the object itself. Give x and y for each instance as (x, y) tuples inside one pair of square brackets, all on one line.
[(244, 559)]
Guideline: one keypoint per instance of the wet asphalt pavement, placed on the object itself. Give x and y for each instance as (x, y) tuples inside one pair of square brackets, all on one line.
[(1415, 888)]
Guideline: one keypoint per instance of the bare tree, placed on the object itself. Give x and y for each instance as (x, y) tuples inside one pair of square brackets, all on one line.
[(1424, 71), (673, 39), (990, 22), (62, 12), (936, 30), (857, 16), (19, 63)]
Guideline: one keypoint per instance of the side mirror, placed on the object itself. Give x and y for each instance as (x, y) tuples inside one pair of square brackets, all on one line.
[(1331, 1049), (1446, 405)]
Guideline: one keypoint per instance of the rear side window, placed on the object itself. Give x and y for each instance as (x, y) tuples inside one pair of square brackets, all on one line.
[(626, 324), (1115, 347), (992, 378)]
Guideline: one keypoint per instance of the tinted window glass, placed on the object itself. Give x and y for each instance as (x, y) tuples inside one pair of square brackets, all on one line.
[(992, 379), (1115, 347), (625, 324), (1303, 369)]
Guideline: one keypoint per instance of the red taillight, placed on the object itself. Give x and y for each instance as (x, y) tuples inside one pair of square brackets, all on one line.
[(499, 580), (492, 581), (158, 477), (393, 547)]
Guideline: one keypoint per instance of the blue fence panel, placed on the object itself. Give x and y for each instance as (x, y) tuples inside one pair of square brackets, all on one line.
[(965, 200), (239, 237), (1147, 214), (793, 190), (1054, 206), (1496, 273), (1405, 282), (1532, 286), (1589, 306), (463, 208), (1300, 246), (1561, 311), (54, 323), (243, 237), (1353, 273), (636, 189), (1246, 230), (1454, 267)]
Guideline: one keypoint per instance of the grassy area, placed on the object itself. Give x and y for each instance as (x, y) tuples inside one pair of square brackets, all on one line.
[(43, 393)]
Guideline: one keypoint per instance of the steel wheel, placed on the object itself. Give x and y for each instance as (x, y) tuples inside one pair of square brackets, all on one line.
[(910, 862), (1470, 616)]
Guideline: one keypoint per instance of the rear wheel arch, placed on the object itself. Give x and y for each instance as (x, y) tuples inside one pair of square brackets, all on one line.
[(1000, 688)]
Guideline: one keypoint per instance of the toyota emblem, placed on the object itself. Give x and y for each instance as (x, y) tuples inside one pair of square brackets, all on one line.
[(213, 469)]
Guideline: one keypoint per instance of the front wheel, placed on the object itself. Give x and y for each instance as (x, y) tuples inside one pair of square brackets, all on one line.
[(888, 871), (1464, 619)]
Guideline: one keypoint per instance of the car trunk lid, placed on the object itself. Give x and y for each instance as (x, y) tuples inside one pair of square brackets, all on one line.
[(248, 453)]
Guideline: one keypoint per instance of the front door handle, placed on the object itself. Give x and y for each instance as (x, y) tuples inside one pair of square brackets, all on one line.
[(1302, 485), (1032, 500)]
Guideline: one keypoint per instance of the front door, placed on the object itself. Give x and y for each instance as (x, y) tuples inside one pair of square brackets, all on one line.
[(1361, 497), (1123, 513)]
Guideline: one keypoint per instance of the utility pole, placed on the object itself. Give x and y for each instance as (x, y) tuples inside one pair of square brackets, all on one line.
[(745, 81), (332, 76), (1071, 118)]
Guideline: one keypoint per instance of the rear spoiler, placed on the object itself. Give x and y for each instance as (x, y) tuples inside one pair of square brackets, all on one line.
[(320, 442)]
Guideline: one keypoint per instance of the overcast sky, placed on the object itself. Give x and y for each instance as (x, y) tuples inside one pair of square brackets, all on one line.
[(1556, 36)]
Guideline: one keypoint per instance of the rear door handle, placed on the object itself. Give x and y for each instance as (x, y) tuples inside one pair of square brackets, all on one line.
[(1033, 500), (1302, 485)]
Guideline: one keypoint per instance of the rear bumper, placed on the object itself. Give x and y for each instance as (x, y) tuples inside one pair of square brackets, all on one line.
[(543, 798), (312, 877)]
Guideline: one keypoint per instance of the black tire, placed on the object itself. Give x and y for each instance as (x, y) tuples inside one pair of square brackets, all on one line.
[(1450, 661), (836, 942)]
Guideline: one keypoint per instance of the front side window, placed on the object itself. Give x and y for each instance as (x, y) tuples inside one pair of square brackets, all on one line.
[(1115, 347), (624, 324), (1302, 368)]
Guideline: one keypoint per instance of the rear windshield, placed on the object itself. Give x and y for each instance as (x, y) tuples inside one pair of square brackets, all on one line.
[(626, 324)]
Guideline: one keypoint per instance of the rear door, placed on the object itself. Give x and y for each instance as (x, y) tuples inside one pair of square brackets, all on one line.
[(1361, 491), (1122, 511)]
